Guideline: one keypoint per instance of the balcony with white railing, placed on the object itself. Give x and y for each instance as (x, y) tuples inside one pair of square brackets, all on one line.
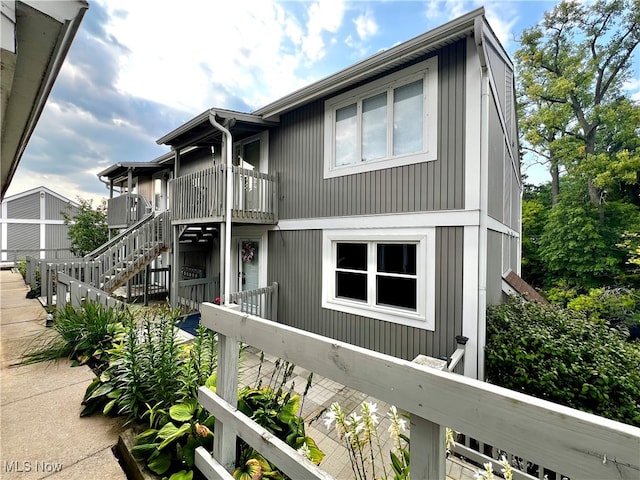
[(200, 197), (127, 209)]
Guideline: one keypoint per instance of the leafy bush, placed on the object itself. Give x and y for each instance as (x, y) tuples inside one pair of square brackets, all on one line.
[(171, 447), (559, 355), (83, 334), (150, 369)]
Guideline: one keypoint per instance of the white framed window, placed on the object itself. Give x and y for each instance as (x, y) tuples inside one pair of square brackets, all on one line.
[(383, 273), (387, 123)]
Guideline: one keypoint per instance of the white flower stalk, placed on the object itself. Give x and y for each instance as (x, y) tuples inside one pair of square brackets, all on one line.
[(305, 452)]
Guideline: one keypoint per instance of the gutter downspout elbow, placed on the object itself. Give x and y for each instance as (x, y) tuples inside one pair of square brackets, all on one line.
[(484, 195), (229, 200)]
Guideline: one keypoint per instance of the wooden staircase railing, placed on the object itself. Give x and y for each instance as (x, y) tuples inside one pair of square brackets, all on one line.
[(133, 252)]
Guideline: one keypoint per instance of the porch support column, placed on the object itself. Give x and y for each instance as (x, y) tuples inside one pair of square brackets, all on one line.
[(175, 243)]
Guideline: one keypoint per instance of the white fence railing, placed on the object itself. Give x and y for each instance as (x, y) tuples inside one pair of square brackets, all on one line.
[(579, 444), (201, 196), (75, 292), (261, 302)]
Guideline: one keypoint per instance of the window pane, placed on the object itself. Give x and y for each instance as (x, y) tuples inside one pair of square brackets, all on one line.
[(397, 292), (408, 118), (351, 285), (346, 126), (397, 258), (352, 256), (374, 127)]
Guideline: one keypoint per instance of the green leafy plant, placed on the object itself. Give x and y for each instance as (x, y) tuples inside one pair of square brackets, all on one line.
[(559, 355), (82, 334), (150, 370), (276, 408), (172, 446)]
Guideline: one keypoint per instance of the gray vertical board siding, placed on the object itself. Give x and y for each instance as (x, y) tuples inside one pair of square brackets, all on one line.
[(56, 236), (498, 69), (496, 164), (145, 188), (195, 161), (507, 191), (494, 267), (296, 154), (27, 207), (295, 262), (23, 236), (54, 206)]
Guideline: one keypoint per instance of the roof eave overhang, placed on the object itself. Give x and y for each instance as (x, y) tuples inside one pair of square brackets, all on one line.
[(220, 114), (378, 63), (69, 15)]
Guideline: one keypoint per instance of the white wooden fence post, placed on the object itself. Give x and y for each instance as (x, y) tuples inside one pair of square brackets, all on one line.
[(61, 295), (224, 441), (427, 448)]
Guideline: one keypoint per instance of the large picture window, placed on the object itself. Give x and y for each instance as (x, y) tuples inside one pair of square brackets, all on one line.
[(389, 122), (380, 273)]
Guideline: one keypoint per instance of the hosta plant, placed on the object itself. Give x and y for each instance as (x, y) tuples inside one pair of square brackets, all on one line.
[(172, 446)]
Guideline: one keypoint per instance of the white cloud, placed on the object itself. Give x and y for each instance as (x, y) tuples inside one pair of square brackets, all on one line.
[(503, 18), (324, 15), (366, 25), (632, 85), (442, 10), (249, 50)]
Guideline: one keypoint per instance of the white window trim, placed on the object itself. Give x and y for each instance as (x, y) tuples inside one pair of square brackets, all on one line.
[(428, 70), (424, 317)]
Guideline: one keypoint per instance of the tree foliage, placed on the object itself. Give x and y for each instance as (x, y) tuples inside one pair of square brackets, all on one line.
[(88, 228), (575, 117), (571, 68)]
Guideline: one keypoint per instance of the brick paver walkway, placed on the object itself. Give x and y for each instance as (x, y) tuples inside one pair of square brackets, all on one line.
[(321, 395)]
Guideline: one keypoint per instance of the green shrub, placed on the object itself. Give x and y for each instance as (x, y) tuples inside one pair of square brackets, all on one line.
[(559, 355)]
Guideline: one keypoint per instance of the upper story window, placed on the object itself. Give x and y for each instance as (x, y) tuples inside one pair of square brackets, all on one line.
[(381, 273), (387, 123)]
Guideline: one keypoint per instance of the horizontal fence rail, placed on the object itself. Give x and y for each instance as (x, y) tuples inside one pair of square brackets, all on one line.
[(262, 302), (194, 292), (75, 292), (579, 444)]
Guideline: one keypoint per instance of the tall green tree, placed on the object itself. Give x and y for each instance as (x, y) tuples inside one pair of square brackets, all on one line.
[(88, 228), (571, 68)]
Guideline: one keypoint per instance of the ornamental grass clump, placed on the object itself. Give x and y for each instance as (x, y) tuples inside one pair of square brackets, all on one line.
[(82, 334)]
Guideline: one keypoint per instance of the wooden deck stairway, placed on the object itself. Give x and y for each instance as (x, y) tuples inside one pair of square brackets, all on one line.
[(129, 253)]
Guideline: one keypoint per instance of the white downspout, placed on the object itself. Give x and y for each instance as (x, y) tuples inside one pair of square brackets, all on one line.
[(484, 198), (227, 237)]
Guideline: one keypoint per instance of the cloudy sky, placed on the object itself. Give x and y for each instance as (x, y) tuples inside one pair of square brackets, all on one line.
[(138, 69)]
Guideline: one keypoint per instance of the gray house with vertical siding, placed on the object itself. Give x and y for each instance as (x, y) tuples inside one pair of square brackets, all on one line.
[(31, 224), (383, 200)]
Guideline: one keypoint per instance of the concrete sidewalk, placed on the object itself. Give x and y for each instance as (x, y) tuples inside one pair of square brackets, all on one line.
[(41, 432)]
